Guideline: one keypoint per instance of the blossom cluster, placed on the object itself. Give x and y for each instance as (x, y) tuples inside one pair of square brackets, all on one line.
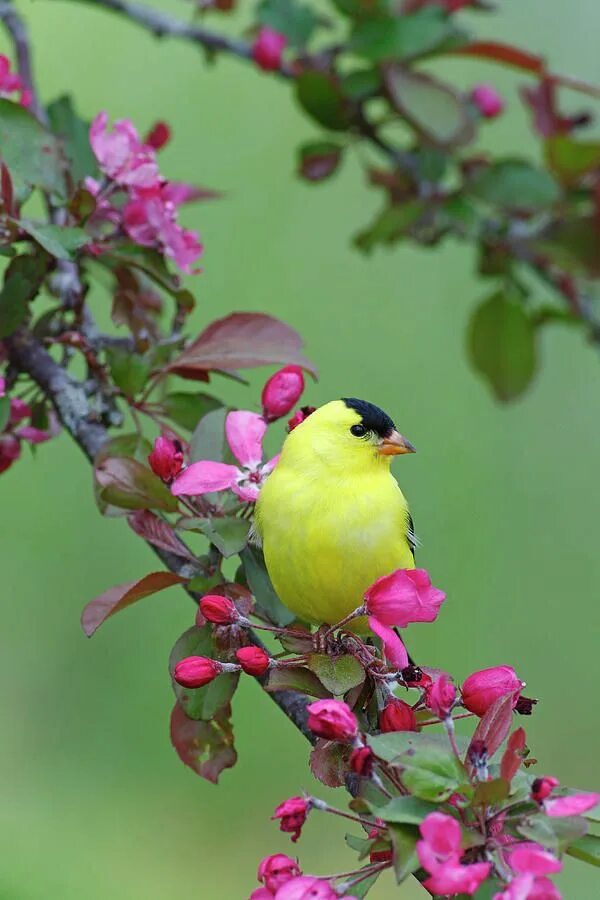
[(17, 430)]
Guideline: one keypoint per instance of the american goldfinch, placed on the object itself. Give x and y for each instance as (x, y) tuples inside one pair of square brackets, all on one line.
[(331, 517)]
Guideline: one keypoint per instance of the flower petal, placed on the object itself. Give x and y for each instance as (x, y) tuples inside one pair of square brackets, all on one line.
[(245, 432), (248, 492), (574, 805), (269, 466), (393, 648), (203, 477)]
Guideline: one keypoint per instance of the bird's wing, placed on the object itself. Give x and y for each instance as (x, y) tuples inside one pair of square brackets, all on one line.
[(413, 540)]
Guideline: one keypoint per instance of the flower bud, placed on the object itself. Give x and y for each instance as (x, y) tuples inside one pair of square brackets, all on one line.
[(158, 136), (441, 697), (19, 410), (196, 671), (281, 392), (218, 610), (253, 660), (299, 416), (361, 761), (483, 688), (267, 50), (275, 870), (332, 720), (488, 101), (166, 459), (292, 814), (543, 787), (397, 716), (307, 887), (10, 450), (381, 851)]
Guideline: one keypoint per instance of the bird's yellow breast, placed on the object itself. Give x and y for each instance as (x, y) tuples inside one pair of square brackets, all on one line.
[(327, 537)]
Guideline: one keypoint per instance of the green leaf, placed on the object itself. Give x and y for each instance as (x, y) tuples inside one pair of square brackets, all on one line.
[(586, 848), (361, 889), (296, 678), (187, 409), (389, 226), (405, 810), (404, 840), (318, 160), (74, 134), (229, 535), (389, 747), (203, 584), (434, 109), (128, 484), (206, 747), (59, 241), (570, 159), (31, 153), (320, 96), (490, 793), (502, 345), (555, 834), (203, 702), (432, 773), (117, 598), (23, 279), (208, 440), (402, 37), (359, 8), (361, 84), (4, 412), (339, 674), (572, 245), (260, 584), (514, 184), (290, 18), (128, 370), (361, 845)]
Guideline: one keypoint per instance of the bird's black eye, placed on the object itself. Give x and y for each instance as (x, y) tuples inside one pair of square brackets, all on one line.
[(358, 430)]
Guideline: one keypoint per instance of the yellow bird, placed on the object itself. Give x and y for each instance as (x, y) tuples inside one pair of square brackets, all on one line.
[(331, 516)]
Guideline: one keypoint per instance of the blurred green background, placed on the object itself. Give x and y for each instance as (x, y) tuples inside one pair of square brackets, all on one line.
[(95, 803)]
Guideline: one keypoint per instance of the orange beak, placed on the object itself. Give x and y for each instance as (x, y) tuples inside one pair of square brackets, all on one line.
[(395, 444)]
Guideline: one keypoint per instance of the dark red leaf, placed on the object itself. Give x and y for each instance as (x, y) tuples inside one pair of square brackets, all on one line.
[(122, 595), (513, 755), (495, 725), (241, 341), (7, 191), (329, 762), (206, 747), (158, 532)]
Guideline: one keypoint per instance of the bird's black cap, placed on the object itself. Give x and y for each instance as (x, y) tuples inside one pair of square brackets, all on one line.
[(371, 416)]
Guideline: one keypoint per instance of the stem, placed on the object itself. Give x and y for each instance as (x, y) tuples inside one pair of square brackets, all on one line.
[(359, 611), (449, 726), (324, 807)]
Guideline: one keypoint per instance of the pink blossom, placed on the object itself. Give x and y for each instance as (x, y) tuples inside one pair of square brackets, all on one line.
[(33, 435), (18, 410), (268, 48), (528, 887), (166, 459), (574, 805), (261, 894), (245, 432), (393, 648), (402, 597), (2, 386), (307, 887), (179, 192), (452, 879), (441, 697), (150, 219), (487, 100), (274, 871), (281, 392), (483, 688), (292, 815), (121, 155), (532, 859), (332, 720), (10, 451), (11, 83), (439, 853)]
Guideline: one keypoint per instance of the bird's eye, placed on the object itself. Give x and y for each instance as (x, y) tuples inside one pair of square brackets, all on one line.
[(358, 430)]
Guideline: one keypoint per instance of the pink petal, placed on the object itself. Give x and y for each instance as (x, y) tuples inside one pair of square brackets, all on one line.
[(269, 466), (458, 879), (247, 492), (531, 859), (245, 432), (393, 648), (442, 833), (571, 806), (33, 435), (203, 477)]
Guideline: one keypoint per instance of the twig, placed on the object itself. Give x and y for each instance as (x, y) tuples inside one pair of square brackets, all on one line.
[(17, 29)]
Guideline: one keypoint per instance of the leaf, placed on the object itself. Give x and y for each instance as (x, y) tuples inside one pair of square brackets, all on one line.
[(361, 845), (4, 412), (290, 18), (296, 678), (490, 793), (389, 747), (60, 241), (361, 889), (405, 810), (128, 370), (74, 135), (434, 109), (515, 184), (208, 440), (502, 345), (573, 245), (203, 702), (31, 153), (402, 37), (570, 159), (117, 598), (229, 534), (241, 341), (339, 674), (493, 728), (329, 762), (260, 585), (187, 409), (432, 773), (320, 96), (404, 840), (318, 160), (126, 483), (555, 834), (507, 54), (159, 533), (586, 848), (23, 279), (206, 747), (513, 755), (390, 226)]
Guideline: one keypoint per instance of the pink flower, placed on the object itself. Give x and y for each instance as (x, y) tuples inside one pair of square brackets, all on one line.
[(532, 859), (19, 410), (268, 48), (245, 432), (150, 219), (196, 671), (166, 459), (281, 392), (307, 887), (219, 610), (292, 814), (487, 100), (397, 716), (439, 853), (121, 154), (274, 871), (33, 435), (528, 887), (11, 83), (253, 660), (332, 720), (483, 688), (299, 416), (575, 805), (393, 648), (402, 597), (441, 697), (10, 451), (261, 894), (543, 787), (453, 879)]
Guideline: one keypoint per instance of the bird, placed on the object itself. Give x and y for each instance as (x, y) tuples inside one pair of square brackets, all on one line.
[(331, 517)]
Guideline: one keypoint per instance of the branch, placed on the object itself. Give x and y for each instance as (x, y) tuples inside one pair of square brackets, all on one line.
[(17, 29)]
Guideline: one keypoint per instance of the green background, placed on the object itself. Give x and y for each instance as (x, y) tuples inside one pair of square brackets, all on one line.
[(95, 803)]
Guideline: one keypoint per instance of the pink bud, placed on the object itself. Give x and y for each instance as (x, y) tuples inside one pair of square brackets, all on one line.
[(292, 814), (441, 697), (158, 136), (487, 100), (2, 386), (253, 660), (166, 459), (219, 610), (332, 720), (483, 688), (10, 450), (18, 410), (397, 716), (275, 870), (361, 761), (196, 671), (299, 416), (268, 48), (402, 597), (281, 392), (543, 787)]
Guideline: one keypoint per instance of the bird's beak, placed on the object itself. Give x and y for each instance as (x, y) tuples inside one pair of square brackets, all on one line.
[(395, 444)]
